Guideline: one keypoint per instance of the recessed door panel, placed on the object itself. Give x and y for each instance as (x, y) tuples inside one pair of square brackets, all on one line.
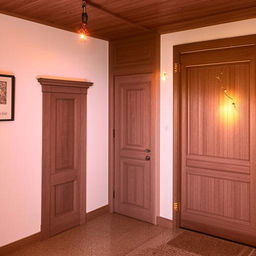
[(212, 118), (211, 195), (135, 182), (65, 137), (64, 198)]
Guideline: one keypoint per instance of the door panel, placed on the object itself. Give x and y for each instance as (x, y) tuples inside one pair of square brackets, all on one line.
[(210, 108), (134, 182), (218, 143), (65, 119)]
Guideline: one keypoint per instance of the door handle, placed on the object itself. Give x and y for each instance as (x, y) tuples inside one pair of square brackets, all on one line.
[(147, 158), (147, 150)]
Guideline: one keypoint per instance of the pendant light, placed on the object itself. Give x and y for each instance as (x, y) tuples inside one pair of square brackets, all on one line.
[(84, 31)]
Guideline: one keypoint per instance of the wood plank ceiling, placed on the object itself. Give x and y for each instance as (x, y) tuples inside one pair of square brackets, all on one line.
[(113, 19)]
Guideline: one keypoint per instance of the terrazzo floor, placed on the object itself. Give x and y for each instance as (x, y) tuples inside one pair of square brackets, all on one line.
[(116, 235)]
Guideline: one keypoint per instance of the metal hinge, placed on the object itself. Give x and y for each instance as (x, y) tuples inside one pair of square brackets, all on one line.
[(114, 133), (177, 67), (114, 194), (176, 206)]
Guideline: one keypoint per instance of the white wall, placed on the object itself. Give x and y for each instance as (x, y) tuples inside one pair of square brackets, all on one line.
[(28, 50), (240, 28)]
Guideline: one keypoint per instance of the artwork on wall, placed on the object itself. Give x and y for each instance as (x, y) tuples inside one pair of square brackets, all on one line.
[(7, 89)]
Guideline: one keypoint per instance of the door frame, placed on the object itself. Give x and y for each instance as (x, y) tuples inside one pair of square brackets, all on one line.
[(48, 87), (155, 135), (178, 50)]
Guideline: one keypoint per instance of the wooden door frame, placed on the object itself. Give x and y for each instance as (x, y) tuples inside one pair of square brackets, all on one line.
[(155, 132), (70, 87), (178, 50)]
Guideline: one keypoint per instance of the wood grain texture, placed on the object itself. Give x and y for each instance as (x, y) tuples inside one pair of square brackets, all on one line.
[(210, 122), (64, 155), (176, 137), (135, 195), (135, 55), (119, 19), (65, 152), (134, 72), (217, 149)]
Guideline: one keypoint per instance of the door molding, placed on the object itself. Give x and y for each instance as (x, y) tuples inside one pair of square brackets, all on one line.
[(135, 66), (178, 50), (50, 86)]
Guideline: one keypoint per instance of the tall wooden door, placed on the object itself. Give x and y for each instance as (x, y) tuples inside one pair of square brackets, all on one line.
[(218, 144), (64, 155), (134, 177)]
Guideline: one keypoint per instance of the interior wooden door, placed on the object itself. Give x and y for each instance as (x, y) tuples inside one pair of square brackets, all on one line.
[(64, 155), (218, 142), (134, 177)]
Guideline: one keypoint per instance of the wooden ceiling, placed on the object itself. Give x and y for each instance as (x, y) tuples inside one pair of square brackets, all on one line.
[(113, 19)]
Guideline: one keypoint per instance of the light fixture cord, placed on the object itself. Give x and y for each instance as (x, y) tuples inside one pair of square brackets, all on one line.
[(84, 14), (84, 5)]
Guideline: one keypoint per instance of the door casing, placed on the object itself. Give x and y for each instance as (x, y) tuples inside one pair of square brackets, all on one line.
[(51, 87), (177, 91)]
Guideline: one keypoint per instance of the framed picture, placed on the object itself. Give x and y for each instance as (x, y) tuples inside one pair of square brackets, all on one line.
[(7, 90)]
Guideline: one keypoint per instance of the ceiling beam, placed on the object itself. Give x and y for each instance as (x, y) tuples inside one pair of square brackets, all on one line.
[(114, 15)]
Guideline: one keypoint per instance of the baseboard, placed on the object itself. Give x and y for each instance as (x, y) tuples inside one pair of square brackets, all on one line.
[(96, 213), (163, 222), (5, 250)]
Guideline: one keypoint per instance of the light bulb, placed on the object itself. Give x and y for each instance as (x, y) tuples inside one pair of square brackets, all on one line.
[(83, 36)]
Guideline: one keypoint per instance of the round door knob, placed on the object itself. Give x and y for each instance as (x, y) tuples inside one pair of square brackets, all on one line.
[(147, 158)]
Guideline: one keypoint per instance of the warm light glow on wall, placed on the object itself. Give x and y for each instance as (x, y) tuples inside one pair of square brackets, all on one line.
[(163, 76)]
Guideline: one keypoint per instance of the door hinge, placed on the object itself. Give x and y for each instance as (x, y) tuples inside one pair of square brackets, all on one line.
[(177, 67), (114, 133), (176, 206), (114, 194)]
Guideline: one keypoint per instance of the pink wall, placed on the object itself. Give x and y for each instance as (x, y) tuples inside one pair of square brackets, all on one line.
[(29, 50)]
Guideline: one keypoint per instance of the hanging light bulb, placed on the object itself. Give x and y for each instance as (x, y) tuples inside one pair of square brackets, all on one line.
[(84, 31)]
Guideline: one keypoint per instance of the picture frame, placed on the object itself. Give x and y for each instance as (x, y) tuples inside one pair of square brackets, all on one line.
[(7, 97)]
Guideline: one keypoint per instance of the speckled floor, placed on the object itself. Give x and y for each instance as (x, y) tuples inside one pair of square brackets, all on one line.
[(112, 235)]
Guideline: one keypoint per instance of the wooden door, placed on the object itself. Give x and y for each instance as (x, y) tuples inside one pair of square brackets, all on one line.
[(218, 142), (134, 177), (64, 155)]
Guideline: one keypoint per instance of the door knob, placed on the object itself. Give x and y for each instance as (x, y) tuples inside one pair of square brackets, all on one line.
[(147, 150), (147, 158)]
